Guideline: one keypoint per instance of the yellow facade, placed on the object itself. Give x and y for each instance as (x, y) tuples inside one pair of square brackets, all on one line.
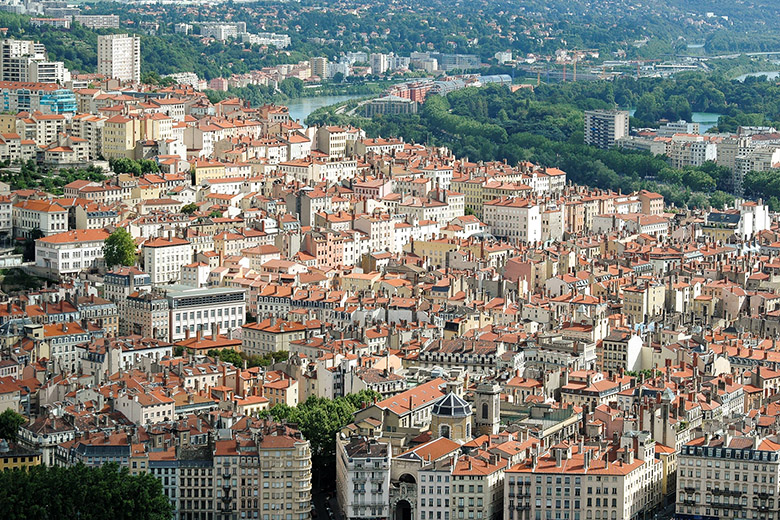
[(121, 133), (19, 460), (208, 170)]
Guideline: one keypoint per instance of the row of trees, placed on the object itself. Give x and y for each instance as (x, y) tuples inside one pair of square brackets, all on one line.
[(764, 185), (754, 101), (79, 492), (33, 176), (133, 167), (238, 358), (320, 418), (487, 26)]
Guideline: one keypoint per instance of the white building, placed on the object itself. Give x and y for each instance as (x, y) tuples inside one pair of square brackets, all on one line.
[(163, 258), (44, 215), (363, 478), (622, 349), (146, 407), (119, 57), (725, 476), (72, 251), (514, 219), (581, 482), (205, 309)]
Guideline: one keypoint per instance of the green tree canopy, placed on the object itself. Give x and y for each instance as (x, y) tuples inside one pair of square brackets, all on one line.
[(320, 418), (10, 422), (81, 492), (119, 248), (189, 208)]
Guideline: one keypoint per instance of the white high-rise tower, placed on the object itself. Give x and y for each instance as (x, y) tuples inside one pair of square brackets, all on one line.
[(119, 57)]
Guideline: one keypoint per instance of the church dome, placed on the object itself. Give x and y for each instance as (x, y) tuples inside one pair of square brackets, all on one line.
[(451, 406)]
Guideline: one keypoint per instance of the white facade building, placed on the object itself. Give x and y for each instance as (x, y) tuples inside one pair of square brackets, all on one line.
[(71, 252), (163, 258), (119, 57), (363, 478)]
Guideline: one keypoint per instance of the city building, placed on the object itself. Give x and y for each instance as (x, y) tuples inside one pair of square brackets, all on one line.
[(119, 57), (583, 482), (728, 476), (163, 258), (604, 127), (363, 478)]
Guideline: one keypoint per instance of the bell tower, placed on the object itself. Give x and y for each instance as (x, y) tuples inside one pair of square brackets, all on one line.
[(487, 408)]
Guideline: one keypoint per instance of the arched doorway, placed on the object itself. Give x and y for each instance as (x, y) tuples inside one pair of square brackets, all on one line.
[(403, 510), (407, 478)]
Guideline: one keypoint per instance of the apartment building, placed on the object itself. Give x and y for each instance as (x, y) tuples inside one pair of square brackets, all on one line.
[(584, 482), (643, 301), (48, 98), (89, 127), (514, 219), (62, 339), (265, 477), (604, 127), (26, 61), (146, 314), (319, 67), (363, 478), (123, 281), (71, 252), (15, 56), (332, 140), (725, 476), (38, 215), (462, 487), (119, 57), (163, 258), (621, 350), (194, 310), (41, 128), (271, 335), (97, 21)]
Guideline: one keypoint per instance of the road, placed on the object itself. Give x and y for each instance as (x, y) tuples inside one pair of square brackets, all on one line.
[(326, 508)]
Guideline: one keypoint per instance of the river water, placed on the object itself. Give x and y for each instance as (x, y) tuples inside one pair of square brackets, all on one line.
[(770, 74), (301, 108), (706, 120)]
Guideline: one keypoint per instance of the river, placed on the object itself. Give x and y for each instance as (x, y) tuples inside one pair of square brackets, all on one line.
[(706, 120), (770, 74), (301, 108)]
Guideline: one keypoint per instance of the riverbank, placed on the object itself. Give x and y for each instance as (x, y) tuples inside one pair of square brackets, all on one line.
[(288, 92), (301, 109)]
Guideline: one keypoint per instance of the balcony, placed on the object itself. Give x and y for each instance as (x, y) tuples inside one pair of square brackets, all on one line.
[(727, 492)]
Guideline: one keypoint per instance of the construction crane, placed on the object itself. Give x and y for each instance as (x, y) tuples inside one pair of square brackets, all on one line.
[(639, 64)]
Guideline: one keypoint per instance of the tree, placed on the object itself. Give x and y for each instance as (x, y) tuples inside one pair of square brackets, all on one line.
[(82, 492), (320, 418), (119, 248), (190, 208), (228, 356), (125, 165), (10, 422), (29, 244)]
